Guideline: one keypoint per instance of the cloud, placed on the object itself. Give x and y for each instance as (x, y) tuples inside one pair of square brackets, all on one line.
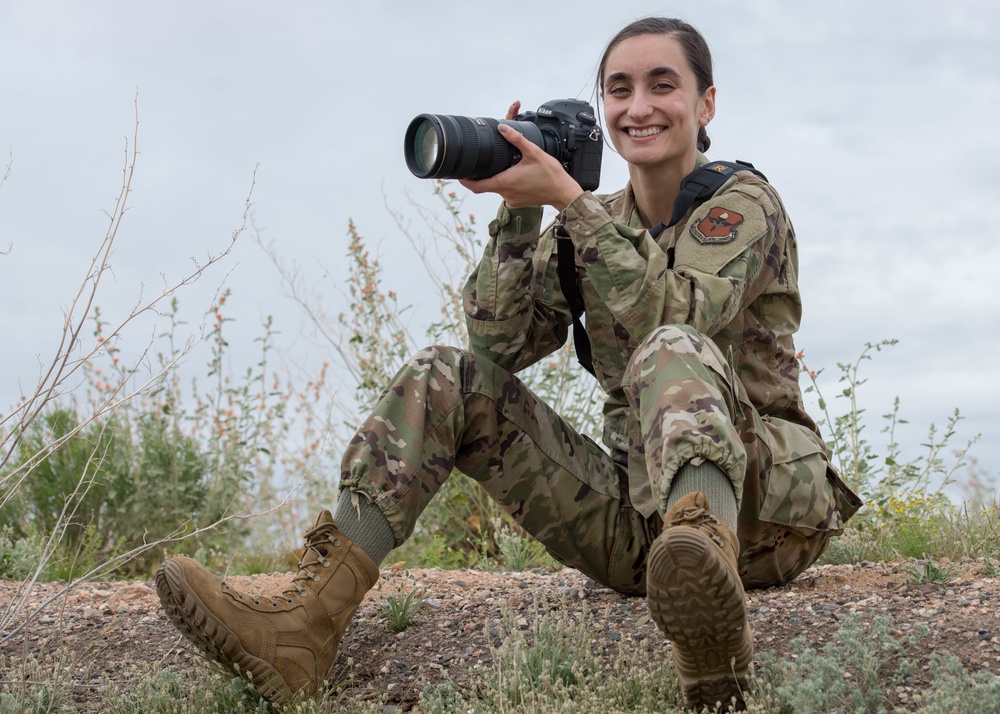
[(874, 121)]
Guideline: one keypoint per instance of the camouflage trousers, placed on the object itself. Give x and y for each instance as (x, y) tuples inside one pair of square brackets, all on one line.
[(449, 409)]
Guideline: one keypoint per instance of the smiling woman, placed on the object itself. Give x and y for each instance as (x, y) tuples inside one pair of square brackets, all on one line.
[(712, 477), (656, 109)]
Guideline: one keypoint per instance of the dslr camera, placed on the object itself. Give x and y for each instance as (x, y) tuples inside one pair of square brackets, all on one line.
[(445, 146)]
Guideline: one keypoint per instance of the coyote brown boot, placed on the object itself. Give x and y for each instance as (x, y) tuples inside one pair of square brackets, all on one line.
[(696, 599), (287, 638)]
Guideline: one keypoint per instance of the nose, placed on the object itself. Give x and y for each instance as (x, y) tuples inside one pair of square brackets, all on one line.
[(640, 105)]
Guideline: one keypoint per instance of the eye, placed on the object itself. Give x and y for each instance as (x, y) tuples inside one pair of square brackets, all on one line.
[(618, 90), (663, 87)]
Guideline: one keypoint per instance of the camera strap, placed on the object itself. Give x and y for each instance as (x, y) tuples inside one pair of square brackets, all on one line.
[(702, 183), (570, 285), (698, 186)]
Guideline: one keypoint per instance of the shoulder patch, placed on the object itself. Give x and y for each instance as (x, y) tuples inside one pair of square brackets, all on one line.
[(719, 231), (718, 227)]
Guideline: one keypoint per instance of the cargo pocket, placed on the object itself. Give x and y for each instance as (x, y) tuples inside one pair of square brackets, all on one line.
[(803, 491)]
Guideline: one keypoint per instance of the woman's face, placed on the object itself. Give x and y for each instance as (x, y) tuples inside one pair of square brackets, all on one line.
[(652, 105)]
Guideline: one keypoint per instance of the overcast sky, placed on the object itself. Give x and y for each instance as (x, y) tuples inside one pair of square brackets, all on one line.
[(876, 121)]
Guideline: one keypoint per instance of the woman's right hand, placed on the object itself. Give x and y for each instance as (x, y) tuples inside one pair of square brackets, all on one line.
[(538, 179)]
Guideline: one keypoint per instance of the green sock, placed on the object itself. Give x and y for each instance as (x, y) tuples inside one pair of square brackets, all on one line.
[(710, 480), (364, 523)]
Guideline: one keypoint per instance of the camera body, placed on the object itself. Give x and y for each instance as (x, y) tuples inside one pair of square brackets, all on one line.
[(446, 146), (579, 144)]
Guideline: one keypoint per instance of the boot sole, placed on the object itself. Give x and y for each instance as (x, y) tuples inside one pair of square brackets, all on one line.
[(196, 622), (696, 599)]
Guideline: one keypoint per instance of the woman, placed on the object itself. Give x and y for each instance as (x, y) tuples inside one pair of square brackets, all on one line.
[(713, 478)]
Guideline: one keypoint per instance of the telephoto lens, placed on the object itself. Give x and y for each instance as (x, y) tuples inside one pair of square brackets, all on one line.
[(457, 147), (442, 146)]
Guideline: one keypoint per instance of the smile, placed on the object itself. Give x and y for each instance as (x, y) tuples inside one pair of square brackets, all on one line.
[(640, 133)]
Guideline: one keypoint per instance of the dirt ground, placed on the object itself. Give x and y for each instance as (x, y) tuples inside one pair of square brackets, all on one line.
[(110, 630)]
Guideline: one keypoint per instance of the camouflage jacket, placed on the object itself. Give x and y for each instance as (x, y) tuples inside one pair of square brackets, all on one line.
[(728, 268)]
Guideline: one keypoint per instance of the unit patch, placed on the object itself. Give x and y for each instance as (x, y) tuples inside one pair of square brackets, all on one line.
[(718, 227)]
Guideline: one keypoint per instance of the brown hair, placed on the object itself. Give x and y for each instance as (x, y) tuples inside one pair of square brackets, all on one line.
[(692, 43)]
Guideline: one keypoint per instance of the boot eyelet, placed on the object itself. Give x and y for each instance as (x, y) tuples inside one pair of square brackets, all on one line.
[(290, 601), (336, 542), (315, 577), (327, 564), (274, 604), (240, 597), (256, 602)]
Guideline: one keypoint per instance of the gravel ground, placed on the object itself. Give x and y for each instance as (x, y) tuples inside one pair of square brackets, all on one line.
[(110, 630)]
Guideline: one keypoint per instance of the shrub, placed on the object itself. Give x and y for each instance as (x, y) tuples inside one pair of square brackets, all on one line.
[(112, 481), (545, 663), (853, 672)]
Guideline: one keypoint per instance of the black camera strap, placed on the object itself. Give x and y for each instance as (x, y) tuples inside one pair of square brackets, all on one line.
[(698, 186), (702, 183), (570, 285)]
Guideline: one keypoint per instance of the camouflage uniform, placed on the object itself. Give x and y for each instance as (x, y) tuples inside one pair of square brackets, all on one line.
[(692, 344)]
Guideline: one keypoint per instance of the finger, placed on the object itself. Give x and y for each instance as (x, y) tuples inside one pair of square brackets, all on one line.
[(486, 185), (512, 135), (513, 110), (520, 142)]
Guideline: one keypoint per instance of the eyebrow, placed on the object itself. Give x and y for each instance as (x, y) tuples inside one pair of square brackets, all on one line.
[(655, 72)]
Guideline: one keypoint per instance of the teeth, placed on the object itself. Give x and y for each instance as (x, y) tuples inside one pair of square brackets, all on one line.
[(639, 133)]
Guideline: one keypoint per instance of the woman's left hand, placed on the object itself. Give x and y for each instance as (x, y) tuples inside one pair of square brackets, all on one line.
[(538, 179)]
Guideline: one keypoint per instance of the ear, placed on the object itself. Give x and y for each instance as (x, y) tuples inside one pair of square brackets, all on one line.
[(707, 112)]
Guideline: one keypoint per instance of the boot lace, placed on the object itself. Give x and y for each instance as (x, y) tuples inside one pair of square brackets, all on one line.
[(318, 541), (701, 519)]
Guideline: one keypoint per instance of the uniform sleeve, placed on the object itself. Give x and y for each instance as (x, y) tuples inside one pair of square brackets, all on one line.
[(515, 312), (728, 252)]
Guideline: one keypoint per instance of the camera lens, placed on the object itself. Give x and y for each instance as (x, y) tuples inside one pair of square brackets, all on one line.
[(426, 147), (445, 146)]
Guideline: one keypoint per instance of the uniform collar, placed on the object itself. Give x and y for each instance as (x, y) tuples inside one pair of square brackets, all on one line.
[(624, 210)]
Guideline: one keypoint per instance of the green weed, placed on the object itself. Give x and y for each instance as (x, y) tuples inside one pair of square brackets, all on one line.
[(28, 686), (990, 568), (954, 689), (400, 610), (922, 572), (521, 552), (162, 691), (549, 665), (920, 528), (880, 475), (19, 557), (433, 551)]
